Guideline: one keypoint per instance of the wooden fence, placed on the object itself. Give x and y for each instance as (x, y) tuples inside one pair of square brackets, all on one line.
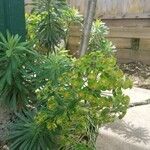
[(28, 6), (129, 23), (109, 9)]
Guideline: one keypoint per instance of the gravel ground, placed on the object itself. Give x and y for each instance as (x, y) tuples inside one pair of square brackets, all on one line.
[(139, 73)]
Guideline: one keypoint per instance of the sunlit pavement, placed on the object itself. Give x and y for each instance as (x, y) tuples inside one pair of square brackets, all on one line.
[(131, 133)]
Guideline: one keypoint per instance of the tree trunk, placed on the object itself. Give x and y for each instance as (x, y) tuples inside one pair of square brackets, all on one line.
[(90, 13)]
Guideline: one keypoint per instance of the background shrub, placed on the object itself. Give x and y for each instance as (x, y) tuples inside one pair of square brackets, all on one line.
[(29, 135), (78, 103), (98, 41), (72, 99), (16, 61), (50, 28), (48, 24)]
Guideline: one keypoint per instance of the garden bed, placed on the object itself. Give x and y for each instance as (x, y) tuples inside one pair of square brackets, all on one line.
[(138, 72)]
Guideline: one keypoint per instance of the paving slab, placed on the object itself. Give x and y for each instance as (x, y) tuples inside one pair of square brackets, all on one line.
[(137, 94), (130, 133)]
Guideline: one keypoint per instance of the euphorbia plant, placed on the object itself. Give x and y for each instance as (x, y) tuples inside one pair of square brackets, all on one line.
[(98, 41), (79, 104), (71, 110), (75, 97), (16, 74), (50, 27)]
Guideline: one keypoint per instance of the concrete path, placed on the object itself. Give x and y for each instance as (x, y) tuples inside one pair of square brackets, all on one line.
[(137, 94), (131, 133)]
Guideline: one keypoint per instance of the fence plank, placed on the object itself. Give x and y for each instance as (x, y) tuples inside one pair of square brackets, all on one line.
[(145, 44), (126, 55), (127, 22), (110, 9), (116, 8), (126, 32), (123, 43)]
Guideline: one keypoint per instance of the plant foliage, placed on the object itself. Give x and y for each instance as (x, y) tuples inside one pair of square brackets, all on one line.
[(26, 134), (48, 25), (98, 40), (74, 96), (79, 103), (32, 21), (73, 104), (50, 29), (16, 59), (52, 67)]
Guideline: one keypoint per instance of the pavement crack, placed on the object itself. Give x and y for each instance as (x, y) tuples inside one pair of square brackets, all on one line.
[(146, 102)]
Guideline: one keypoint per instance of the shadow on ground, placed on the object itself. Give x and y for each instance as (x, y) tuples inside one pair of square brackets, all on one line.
[(130, 132)]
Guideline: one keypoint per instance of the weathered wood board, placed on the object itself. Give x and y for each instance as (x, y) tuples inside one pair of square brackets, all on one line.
[(129, 32), (74, 39), (127, 22), (110, 9), (128, 55), (145, 44), (121, 43)]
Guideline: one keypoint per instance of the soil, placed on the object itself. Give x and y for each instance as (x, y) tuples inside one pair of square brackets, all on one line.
[(138, 72), (5, 120)]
